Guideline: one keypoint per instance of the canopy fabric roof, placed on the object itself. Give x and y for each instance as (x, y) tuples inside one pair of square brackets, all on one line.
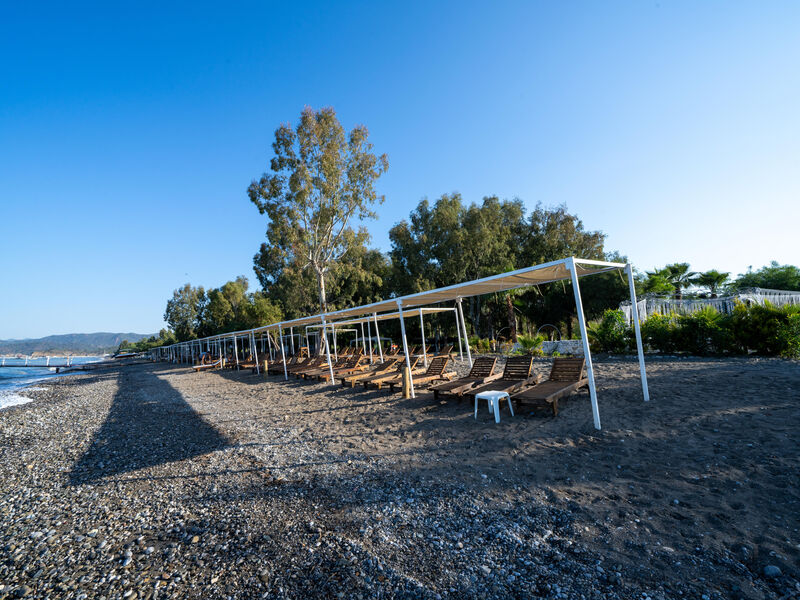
[(412, 312), (567, 268), (558, 270)]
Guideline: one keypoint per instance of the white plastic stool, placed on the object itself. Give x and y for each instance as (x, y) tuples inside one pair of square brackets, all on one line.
[(493, 399)]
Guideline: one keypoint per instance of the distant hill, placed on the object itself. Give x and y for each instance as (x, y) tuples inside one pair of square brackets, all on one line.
[(71, 343)]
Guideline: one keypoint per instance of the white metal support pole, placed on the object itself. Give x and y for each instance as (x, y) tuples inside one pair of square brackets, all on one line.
[(291, 336), (637, 330), (464, 330), (363, 338), (378, 336), (333, 335), (458, 336), (405, 347), (255, 352), (422, 331), (585, 339), (236, 352), (283, 354), (369, 339), (328, 350)]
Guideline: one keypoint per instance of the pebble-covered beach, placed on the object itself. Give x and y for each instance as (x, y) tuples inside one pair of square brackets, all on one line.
[(152, 481)]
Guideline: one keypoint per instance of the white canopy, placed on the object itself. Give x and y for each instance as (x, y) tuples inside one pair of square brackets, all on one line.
[(570, 268)]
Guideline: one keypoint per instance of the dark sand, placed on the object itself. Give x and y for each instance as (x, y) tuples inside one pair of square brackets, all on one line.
[(230, 485)]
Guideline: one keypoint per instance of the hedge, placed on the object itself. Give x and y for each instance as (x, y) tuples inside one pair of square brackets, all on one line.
[(765, 330)]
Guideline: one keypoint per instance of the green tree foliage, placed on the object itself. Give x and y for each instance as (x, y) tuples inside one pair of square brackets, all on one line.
[(712, 280), (554, 233), (672, 279), (450, 242), (165, 337), (772, 277), (183, 311), (227, 308), (656, 282), (320, 181)]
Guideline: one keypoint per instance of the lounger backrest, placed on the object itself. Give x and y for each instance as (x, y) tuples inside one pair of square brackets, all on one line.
[(412, 360), (446, 350), (567, 369), (354, 361), (517, 368), (387, 364), (482, 367), (437, 365)]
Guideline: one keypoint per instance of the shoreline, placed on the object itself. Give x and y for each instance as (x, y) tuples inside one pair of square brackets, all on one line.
[(152, 479)]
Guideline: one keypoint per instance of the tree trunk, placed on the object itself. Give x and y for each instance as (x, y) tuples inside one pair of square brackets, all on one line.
[(323, 301), (512, 319)]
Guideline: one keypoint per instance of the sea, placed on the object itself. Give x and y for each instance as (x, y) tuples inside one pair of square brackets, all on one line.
[(13, 379)]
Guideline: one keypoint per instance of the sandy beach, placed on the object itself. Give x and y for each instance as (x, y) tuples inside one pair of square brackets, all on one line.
[(152, 481)]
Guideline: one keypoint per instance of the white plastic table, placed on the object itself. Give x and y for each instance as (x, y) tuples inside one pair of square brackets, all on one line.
[(493, 399)]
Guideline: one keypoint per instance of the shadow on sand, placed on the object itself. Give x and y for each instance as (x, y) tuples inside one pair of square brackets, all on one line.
[(149, 424)]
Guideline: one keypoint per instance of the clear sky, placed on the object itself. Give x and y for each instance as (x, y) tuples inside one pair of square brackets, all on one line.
[(129, 132)]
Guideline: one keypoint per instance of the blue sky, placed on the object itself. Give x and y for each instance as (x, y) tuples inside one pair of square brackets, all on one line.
[(129, 133)]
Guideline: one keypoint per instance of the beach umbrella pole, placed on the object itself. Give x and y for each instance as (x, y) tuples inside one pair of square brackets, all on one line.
[(464, 330), (328, 350), (378, 336), (422, 331), (283, 354), (405, 347), (585, 339), (637, 330)]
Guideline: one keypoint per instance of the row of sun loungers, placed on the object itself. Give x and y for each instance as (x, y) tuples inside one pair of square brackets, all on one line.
[(567, 375), (352, 368)]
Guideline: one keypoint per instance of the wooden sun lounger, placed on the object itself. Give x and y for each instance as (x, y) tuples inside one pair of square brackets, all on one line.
[(321, 368), (276, 367), (482, 372), (351, 363), (446, 350), (381, 368), (358, 365), (516, 373), (566, 377), (205, 367), (378, 379), (434, 372), (309, 365)]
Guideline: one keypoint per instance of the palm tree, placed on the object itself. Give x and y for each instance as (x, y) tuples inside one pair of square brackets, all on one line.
[(679, 275), (713, 280), (657, 282)]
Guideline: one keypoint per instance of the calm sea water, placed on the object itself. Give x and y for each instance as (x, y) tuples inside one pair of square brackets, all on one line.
[(13, 379)]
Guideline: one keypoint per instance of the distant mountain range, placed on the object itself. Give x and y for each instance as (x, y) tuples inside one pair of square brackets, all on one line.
[(71, 343)]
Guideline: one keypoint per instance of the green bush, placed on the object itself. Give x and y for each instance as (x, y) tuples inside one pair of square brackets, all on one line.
[(658, 333), (530, 344), (480, 345), (761, 329), (789, 336), (611, 333), (703, 332)]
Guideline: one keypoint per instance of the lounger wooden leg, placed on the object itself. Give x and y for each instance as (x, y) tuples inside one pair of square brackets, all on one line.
[(555, 408)]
